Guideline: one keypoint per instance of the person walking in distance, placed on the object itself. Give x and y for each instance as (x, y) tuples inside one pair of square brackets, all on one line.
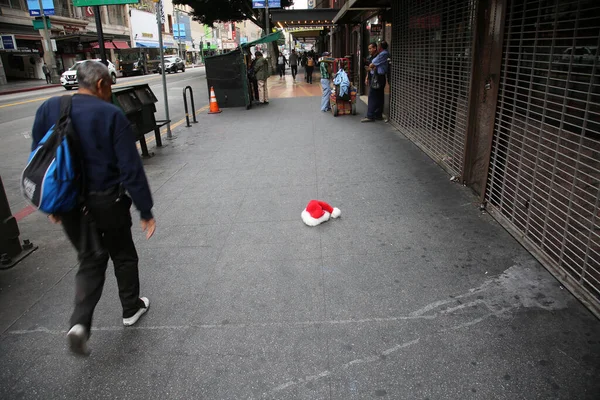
[(324, 68), (261, 71), (310, 67), (112, 167), (46, 72), (378, 69), (281, 61), (293, 61)]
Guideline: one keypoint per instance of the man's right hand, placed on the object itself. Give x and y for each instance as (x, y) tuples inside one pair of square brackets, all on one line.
[(149, 227)]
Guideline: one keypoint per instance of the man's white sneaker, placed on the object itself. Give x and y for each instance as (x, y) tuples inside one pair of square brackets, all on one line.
[(78, 337), (133, 319)]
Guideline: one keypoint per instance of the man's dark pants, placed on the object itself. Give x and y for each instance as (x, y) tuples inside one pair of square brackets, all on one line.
[(113, 229), (376, 100), (294, 71), (48, 78), (309, 74)]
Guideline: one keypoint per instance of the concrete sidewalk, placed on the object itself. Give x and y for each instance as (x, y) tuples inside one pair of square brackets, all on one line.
[(25, 86), (411, 294)]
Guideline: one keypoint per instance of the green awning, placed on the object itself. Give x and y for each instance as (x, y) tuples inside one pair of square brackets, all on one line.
[(265, 39)]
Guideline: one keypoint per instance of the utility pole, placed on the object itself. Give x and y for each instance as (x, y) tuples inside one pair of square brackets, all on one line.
[(98, 20), (49, 53), (178, 32), (266, 16), (162, 65)]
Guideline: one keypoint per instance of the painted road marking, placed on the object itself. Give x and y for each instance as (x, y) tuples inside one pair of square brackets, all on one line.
[(24, 212), (18, 103)]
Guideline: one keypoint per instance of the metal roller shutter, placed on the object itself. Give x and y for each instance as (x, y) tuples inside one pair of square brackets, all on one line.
[(431, 65), (544, 176)]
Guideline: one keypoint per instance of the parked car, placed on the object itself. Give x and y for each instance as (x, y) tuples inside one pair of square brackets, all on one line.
[(68, 79), (172, 64), (582, 56)]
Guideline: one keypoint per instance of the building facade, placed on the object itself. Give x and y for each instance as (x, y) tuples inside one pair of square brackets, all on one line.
[(505, 96), (72, 31)]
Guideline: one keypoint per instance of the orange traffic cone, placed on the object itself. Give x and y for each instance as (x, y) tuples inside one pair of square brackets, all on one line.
[(214, 106)]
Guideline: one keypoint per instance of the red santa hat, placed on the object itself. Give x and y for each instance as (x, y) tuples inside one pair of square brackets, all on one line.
[(317, 212)]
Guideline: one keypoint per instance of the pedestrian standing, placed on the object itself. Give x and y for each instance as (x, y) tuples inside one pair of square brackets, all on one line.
[(46, 72), (261, 71), (378, 69), (252, 82), (310, 67), (293, 61), (281, 61), (112, 166), (325, 83)]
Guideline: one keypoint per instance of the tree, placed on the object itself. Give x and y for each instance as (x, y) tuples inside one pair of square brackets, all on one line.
[(208, 12)]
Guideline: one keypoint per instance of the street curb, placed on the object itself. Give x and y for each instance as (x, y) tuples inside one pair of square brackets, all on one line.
[(31, 89)]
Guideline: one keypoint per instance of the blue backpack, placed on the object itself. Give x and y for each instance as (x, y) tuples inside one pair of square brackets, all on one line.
[(53, 178)]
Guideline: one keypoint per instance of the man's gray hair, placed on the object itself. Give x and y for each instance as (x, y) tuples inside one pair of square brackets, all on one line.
[(90, 72)]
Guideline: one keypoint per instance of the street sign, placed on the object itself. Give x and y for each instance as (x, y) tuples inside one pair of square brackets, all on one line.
[(262, 3), (9, 42), (38, 23), (179, 31), (86, 3), (34, 7)]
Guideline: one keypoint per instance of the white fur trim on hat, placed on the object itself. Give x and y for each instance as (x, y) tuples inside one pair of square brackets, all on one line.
[(336, 212), (310, 221)]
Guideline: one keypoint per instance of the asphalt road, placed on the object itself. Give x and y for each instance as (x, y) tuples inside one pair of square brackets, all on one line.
[(17, 112)]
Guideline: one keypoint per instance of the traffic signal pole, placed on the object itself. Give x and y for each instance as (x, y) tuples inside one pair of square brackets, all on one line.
[(49, 53), (98, 20)]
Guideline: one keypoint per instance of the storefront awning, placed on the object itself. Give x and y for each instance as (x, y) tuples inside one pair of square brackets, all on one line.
[(295, 18), (265, 39), (306, 34), (116, 44), (352, 10)]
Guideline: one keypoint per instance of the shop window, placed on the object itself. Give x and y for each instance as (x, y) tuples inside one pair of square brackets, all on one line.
[(17, 4), (116, 15), (61, 8), (170, 21)]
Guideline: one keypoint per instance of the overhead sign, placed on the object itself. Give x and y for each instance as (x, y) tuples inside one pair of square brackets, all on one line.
[(9, 42), (376, 29), (34, 7), (86, 3), (262, 3)]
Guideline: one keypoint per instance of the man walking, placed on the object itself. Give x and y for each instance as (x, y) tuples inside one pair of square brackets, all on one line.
[(293, 61), (112, 166), (376, 79), (325, 84), (310, 66), (261, 71), (46, 72), (281, 61)]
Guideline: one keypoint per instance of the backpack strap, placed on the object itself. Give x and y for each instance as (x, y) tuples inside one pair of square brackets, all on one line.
[(65, 106)]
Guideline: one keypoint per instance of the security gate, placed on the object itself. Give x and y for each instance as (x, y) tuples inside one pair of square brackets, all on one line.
[(430, 75), (544, 175)]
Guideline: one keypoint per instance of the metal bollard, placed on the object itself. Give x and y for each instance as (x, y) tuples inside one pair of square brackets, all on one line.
[(11, 251), (187, 114)]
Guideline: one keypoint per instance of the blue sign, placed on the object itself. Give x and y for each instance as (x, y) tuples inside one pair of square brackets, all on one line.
[(179, 31), (8, 42), (261, 3), (34, 7)]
